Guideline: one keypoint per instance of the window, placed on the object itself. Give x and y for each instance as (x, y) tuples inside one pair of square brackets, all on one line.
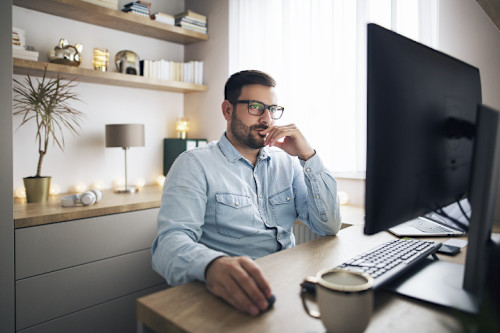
[(316, 51)]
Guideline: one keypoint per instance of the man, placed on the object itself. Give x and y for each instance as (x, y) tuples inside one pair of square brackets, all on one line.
[(235, 200)]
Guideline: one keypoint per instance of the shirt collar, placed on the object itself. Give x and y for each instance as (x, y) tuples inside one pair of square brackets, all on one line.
[(232, 154)]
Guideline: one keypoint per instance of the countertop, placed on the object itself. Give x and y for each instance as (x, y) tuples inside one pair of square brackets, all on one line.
[(33, 214)]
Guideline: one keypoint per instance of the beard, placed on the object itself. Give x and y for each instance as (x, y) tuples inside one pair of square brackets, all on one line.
[(246, 135)]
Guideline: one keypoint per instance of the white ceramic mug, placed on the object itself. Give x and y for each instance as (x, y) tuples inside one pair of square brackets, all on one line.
[(344, 299)]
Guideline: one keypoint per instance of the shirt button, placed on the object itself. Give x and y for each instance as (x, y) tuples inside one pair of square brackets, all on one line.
[(308, 170), (260, 195), (236, 203), (317, 197), (278, 237), (288, 199)]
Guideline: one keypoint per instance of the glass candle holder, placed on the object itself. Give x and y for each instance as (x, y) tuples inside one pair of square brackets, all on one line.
[(182, 127), (101, 59)]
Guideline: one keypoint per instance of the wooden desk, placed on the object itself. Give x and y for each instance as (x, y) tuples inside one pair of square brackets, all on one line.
[(191, 308)]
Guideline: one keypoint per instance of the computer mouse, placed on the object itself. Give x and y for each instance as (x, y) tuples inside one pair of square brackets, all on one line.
[(270, 302)]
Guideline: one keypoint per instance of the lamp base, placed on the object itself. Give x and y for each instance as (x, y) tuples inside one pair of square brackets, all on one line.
[(129, 189)]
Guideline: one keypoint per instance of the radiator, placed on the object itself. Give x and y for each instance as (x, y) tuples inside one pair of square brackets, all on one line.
[(302, 233)]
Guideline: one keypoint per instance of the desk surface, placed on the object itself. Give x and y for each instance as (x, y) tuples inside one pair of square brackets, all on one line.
[(190, 307)]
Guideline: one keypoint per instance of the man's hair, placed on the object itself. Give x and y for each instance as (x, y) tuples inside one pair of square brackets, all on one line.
[(232, 89)]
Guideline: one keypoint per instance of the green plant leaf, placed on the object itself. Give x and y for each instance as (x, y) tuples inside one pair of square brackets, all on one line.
[(47, 103)]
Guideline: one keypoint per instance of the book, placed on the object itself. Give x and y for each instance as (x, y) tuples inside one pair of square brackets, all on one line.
[(138, 2), (137, 13), (190, 13), (25, 54), (136, 10), (137, 7), (192, 21), (189, 72), (164, 18), (192, 27), (140, 7)]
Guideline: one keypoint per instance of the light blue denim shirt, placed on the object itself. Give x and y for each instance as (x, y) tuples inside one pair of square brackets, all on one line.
[(216, 203)]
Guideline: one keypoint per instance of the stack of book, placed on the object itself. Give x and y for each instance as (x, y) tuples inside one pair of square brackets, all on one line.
[(140, 7), (192, 21), (24, 54), (164, 18), (19, 46), (189, 72)]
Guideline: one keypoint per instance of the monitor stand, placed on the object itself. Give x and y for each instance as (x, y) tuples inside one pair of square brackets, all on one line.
[(438, 282)]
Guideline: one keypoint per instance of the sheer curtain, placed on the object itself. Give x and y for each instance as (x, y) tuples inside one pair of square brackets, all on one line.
[(316, 51)]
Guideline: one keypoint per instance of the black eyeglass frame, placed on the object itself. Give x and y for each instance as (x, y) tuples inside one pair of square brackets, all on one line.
[(266, 107)]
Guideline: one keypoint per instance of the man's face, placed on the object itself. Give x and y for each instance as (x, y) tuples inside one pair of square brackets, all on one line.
[(244, 127)]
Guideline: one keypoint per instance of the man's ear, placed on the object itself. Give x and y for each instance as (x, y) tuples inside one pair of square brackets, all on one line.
[(227, 109)]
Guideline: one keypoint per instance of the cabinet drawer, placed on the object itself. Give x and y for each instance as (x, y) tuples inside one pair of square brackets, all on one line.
[(56, 246), (117, 315), (48, 296)]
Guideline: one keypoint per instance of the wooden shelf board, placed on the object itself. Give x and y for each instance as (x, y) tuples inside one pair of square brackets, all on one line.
[(115, 19), (34, 214), (36, 68)]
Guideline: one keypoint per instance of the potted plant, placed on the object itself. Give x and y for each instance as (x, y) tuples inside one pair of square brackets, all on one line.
[(45, 102)]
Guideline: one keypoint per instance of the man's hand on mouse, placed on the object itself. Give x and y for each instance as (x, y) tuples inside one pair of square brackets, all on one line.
[(240, 282), (294, 143)]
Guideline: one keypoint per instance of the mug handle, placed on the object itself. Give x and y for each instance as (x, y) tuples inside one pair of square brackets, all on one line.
[(305, 287)]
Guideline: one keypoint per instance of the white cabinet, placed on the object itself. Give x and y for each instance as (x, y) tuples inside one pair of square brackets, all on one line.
[(85, 275)]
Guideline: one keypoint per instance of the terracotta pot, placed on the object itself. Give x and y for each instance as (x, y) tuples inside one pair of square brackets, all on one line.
[(37, 188)]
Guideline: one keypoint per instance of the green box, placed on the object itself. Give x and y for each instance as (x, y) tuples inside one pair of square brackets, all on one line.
[(174, 147)]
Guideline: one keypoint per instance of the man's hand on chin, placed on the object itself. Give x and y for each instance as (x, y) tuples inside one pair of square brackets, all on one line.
[(290, 139), (240, 282)]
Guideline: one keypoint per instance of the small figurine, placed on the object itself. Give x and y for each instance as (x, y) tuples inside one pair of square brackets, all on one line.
[(66, 54), (127, 62)]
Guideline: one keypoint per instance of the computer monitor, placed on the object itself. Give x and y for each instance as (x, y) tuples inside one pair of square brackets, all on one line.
[(430, 142), (416, 95)]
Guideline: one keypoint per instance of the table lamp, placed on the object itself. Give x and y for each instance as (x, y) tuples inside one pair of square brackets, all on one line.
[(125, 136)]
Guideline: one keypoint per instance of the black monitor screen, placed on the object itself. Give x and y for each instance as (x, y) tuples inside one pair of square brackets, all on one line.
[(421, 112)]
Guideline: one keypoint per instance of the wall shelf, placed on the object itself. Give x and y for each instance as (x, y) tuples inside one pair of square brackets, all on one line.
[(94, 14), (36, 68)]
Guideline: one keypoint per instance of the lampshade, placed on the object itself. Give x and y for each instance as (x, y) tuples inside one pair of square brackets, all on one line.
[(125, 135)]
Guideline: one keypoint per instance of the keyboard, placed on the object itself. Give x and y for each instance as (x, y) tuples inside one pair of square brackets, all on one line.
[(426, 226), (391, 259)]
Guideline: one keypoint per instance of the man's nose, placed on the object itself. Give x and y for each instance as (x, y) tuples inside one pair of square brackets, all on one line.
[(266, 117)]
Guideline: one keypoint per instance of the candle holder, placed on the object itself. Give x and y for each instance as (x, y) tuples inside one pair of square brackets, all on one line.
[(182, 127), (100, 59)]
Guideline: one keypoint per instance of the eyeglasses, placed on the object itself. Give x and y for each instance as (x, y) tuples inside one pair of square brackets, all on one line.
[(256, 108)]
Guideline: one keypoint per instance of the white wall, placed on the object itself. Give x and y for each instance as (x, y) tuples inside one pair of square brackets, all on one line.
[(204, 109), (466, 32), (85, 158)]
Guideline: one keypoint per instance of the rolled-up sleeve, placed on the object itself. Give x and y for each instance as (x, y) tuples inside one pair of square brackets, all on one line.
[(177, 254)]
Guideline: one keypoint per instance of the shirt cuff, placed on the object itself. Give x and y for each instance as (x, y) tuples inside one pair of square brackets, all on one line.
[(200, 269), (314, 164)]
